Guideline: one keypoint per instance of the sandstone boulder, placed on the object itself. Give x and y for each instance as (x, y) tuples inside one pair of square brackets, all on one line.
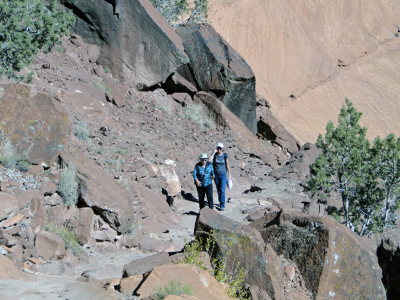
[(242, 244), (218, 68), (38, 215), (389, 260), (8, 202), (9, 271), (135, 41), (36, 124), (49, 245), (205, 286), (130, 284), (98, 190), (331, 258), (169, 175)]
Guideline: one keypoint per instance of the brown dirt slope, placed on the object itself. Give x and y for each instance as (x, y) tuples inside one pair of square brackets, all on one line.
[(309, 55)]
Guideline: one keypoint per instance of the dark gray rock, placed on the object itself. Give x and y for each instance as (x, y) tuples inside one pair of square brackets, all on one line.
[(215, 67), (389, 260), (135, 41), (146, 264)]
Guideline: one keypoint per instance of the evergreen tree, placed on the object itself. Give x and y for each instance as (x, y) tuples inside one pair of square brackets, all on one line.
[(175, 11), (26, 26)]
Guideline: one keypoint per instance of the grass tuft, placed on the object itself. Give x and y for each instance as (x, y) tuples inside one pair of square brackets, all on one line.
[(173, 287), (8, 155), (68, 235), (101, 85), (197, 113), (164, 107), (67, 186)]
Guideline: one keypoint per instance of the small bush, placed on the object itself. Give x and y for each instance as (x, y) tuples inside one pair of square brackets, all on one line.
[(164, 107), (67, 186), (82, 131), (24, 165), (8, 155), (101, 85), (173, 287), (197, 113), (396, 34), (68, 235), (121, 151)]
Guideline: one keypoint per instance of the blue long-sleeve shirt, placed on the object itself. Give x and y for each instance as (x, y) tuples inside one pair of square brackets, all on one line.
[(204, 175)]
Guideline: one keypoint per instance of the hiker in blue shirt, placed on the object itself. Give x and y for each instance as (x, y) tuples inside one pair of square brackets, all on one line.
[(203, 174), (222, 172)]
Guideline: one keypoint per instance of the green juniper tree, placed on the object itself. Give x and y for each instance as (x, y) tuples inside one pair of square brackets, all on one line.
[(367, 178), (26, 26), (174, 11)]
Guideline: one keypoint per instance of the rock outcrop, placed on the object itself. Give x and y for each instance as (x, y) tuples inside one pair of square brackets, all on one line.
[(241, 244), (309, 55), (35, 124), (389, 260), (219, 69), (136, 43), (332, 259)]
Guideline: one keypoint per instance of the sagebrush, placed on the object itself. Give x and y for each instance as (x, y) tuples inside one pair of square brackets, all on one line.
[(68, 186), (10, 158), (173, 287), (82, 131), (197, 113)]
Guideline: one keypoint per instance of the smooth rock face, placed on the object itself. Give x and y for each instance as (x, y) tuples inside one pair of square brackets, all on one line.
[(331, 258), (83, 224), (389, 260), (130, 284), (9, 271), (98, 190), (49, 245), (241, 243), (205, 286), (318, 52), (36, 125), (135, 41), (218, 68)]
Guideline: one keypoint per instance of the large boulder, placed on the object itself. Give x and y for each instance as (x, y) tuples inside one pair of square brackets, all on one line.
[(35, 123), (49, 245), (204, 285), (146, 264), (218, 68), (245, 139), (241, 244), (98, 190), (332, 259), (9, 271), (136, 43), (389, 260), (82, 225)]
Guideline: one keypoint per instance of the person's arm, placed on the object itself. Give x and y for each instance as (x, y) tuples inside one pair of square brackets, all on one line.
[(197, 182), (228, 168), (212, 156)]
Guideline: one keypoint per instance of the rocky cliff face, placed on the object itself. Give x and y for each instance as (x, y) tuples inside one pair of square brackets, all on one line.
[(309, 55), (136, 42)]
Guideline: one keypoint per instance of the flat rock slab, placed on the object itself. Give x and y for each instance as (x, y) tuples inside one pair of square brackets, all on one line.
[(146, 264), (332, 259), (35, 123)]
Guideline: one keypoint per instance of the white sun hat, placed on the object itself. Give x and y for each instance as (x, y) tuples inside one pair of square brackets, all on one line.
[(203, 156), (220, 145)]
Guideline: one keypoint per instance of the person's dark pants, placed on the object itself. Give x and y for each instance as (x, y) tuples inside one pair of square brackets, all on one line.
[(206, 190), (220, 182)]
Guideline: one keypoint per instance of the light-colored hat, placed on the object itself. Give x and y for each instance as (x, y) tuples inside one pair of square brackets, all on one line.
[(220, 145), (203, 156)]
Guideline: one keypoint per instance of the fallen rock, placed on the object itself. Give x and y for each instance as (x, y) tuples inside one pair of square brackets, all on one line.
[(98, 190), (183, 99), (101, 274), (242, 244), (41, 129), (49, 245), (130, 284), (83, 224), (38, 215), (389, 260), (219, 69), (9, 271), (135, 41), (172, 179), (331, 258), (176, 83), (205, 286), (8, 202), (146, 264)]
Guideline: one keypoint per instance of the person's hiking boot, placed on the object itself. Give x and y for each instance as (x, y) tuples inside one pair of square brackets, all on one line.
[(221, 208)]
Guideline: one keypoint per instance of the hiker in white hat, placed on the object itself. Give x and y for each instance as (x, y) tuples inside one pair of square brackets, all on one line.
[(203, 175), (222, 172)]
